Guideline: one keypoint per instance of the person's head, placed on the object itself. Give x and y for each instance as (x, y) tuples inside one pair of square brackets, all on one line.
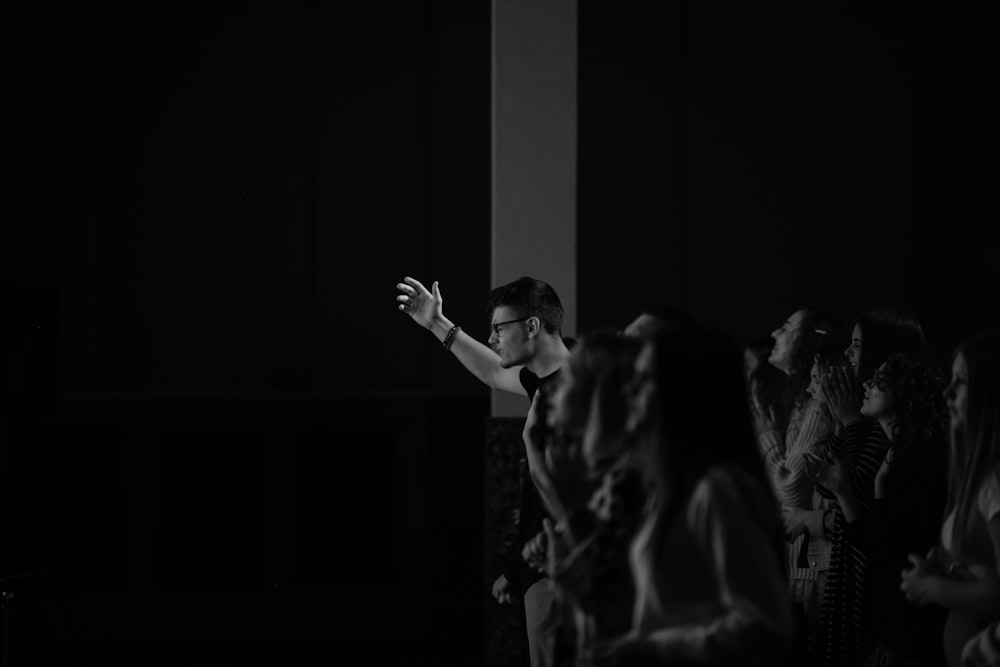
[(905, 392), (684, 383), (656, 317), (880, 333), (804, 335), (973, 398), (522, 314), (592, 381), (827, 356)]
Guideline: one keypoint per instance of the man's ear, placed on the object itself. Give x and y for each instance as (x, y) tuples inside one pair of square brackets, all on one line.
[(534, 326)]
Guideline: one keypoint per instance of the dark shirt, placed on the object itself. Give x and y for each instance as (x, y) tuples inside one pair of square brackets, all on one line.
[(906, 521), (532, 511)]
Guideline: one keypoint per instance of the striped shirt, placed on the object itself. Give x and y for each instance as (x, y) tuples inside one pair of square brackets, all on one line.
[(809, 428), (840, 641)]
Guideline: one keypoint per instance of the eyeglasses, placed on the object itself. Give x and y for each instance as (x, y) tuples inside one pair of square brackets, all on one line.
[(496, 327)]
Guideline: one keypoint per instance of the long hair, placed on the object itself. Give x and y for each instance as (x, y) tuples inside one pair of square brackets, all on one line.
[(975, 450), (887, 332), (916, 387), (820, 333), (600, 366), (704, 420)]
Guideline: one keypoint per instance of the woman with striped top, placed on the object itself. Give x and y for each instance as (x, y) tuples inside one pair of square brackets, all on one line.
[(861, 448), (903, 401), (786, 433)]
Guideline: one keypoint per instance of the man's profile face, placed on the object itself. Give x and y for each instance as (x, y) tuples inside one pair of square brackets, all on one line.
[(509, 337)]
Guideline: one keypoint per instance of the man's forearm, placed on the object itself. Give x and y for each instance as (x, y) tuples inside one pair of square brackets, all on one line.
[(477, 358)]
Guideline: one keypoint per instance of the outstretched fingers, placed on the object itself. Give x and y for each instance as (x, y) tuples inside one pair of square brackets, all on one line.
[(416, 285), (405, 302)]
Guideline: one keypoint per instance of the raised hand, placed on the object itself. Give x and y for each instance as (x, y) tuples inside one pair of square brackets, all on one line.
[(841, 394), (423, 305)]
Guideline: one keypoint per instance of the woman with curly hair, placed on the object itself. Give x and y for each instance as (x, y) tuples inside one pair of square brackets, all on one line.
[(786, 431), (879, 334), (965, 576), (860, 447), (902, 400), (876, 336)]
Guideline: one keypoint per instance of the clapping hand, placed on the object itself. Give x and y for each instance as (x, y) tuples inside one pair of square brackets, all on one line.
[(764, 416), (840, 393), (826, 470)]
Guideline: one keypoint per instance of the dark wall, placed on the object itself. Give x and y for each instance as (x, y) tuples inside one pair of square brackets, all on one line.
[(744, 160), (239, 436), (225, 197)]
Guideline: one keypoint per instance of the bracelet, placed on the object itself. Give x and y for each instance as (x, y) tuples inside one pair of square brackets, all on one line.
[(450, 338)]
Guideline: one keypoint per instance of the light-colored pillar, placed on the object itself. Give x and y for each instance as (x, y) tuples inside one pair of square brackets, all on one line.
[(534, 153)]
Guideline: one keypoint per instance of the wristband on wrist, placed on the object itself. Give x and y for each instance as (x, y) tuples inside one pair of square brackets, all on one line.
[(450, 338)]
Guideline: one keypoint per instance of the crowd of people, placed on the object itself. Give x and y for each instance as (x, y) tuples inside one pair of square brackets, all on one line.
[(825, 496)]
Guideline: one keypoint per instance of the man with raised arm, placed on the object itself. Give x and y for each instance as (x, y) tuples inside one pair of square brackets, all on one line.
[(526, 350)]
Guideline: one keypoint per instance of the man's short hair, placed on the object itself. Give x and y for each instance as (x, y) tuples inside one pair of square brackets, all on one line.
[(527, 297)]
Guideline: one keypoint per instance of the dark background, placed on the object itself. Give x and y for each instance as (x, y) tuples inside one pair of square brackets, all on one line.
[(221, 442)]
